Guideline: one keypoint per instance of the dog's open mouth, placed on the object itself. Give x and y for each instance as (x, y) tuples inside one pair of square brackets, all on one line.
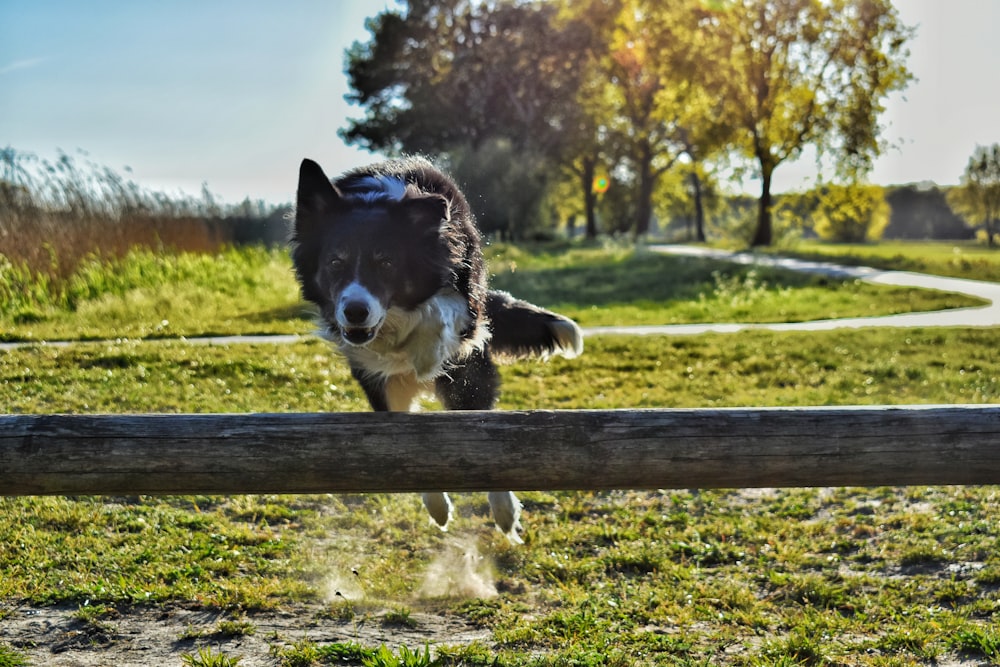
[(358, 335)]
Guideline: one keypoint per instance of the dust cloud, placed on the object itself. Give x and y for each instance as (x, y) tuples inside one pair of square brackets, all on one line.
[(343, 586), (459, 571)]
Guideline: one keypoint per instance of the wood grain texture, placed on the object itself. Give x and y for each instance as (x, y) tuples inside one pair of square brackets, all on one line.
[(473, 451)]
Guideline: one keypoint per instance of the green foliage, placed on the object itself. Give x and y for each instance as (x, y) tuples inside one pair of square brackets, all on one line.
[(852, 213), (304, 653), (403, 657), (630, 87), (436, 76), (11, 658), (509, 185), (205, 657), (978, 641), (921, 212)]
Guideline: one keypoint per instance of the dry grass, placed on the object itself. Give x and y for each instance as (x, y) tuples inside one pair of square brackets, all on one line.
[(54, 216)]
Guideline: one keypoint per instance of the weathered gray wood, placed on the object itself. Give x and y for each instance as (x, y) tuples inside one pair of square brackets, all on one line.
[(608, 449)]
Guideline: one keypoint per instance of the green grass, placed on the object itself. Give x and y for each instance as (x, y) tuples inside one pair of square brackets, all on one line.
[(154, 295), (884, 576), (11, 658), (598, 287), (205, 657), (880, 366), (253, 291), (901, 576), (107, 551)]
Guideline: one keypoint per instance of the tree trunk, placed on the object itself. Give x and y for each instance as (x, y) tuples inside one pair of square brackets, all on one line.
[(644, 206), (589, 196), (763, 235), (699, 208)]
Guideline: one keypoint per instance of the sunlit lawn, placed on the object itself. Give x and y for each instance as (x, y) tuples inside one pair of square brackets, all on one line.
[(889, 576)]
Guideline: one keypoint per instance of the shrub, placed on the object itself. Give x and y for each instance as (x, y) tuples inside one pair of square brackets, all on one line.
[(851, 213)]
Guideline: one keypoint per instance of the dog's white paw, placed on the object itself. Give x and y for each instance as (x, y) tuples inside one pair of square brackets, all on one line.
[(439, 507), (506, 514)]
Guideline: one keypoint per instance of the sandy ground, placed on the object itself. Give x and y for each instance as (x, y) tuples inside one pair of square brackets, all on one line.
[(160, 636)]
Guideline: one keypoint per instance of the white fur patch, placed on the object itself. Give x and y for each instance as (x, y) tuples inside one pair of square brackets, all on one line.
[(356, 292), (506, 514), (377, 188), (420, 341)]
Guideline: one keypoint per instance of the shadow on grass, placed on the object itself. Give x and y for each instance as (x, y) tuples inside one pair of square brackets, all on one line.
[(635, 278)]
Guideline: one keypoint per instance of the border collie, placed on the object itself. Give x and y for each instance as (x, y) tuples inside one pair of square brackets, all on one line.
[(391, 256)]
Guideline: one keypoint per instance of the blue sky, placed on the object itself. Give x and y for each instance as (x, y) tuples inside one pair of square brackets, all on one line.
[(235, 94)]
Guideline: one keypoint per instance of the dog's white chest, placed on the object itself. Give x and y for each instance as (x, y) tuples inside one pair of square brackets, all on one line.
[(420, 341)]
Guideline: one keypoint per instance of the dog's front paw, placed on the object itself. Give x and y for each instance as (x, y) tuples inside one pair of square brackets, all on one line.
[(506, 514), (439, 507)]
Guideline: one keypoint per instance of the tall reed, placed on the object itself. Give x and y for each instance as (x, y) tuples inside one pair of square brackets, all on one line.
[(58, 216)]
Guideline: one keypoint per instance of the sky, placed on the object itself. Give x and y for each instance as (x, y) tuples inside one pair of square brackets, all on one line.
[(233, 94)]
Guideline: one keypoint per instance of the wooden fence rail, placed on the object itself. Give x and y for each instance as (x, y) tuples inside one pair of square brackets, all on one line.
[(469, 451)]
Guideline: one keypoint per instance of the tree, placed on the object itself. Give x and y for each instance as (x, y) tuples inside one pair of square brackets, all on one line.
[(662, 109), (852, 213), (977, 198), (801, 73), (454, 78)]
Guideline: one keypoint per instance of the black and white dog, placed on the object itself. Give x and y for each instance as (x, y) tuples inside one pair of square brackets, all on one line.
[(391, 256)]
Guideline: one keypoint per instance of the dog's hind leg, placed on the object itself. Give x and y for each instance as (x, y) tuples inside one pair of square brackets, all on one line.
[(439, 506), (506, 510), (400, 393), (475, 385), (396, 394), (472, 385)]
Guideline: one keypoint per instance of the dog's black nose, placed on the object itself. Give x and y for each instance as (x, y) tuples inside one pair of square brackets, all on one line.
[(356, 312)]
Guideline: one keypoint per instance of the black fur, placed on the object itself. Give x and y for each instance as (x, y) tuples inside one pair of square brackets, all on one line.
[(391, 256)]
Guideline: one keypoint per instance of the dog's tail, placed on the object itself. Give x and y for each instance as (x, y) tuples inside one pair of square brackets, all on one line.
[(521, 329)]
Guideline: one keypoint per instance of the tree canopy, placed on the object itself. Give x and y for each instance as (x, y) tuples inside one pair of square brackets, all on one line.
[(629, 88)]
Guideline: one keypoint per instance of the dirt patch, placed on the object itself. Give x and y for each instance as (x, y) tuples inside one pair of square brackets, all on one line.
[(159, 636)]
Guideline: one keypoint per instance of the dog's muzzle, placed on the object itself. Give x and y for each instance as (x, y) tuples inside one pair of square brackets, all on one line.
[(358, 324)]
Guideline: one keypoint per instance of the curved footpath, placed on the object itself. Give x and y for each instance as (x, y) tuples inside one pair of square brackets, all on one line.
[(981, 316)]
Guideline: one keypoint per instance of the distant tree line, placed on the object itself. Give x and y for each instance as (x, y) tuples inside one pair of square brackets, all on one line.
[(533, 103)]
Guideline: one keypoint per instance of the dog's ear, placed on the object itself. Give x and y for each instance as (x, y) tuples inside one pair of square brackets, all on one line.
[(430, 212), (316, 197)]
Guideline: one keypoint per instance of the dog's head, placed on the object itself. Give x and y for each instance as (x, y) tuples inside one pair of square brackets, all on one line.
[(359, 253)]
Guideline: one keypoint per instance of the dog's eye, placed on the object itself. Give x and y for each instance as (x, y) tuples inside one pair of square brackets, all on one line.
[(384, 263), (337, 263)]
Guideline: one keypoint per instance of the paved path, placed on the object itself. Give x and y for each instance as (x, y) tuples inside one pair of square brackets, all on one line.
[(981, 316)]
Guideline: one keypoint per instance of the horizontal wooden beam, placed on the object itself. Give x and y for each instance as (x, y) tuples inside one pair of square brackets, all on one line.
[(467, 451)]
